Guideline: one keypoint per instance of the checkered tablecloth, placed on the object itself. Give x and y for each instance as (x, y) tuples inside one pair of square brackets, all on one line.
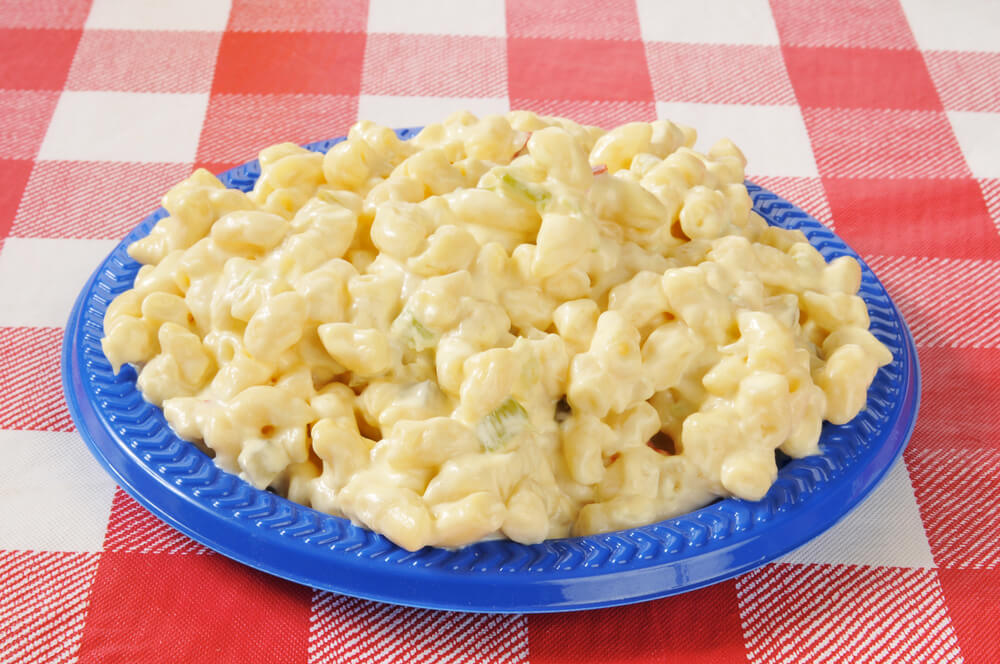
[(881, 118)]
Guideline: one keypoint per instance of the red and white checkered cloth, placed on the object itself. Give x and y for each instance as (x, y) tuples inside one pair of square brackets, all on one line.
[(881, 118)]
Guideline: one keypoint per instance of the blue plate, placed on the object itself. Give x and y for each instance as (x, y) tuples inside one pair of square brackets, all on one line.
[(181, 485)]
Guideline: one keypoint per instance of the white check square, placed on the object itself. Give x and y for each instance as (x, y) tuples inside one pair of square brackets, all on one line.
[(773, 138), (209, 15), (42, 278), (710, 22), (957, 25), (441, 17), (399, 112), (56, 495), (125, 126), (978, 136), (885, 530)]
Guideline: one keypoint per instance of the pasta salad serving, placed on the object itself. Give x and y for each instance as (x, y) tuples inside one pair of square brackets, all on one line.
[(513, 326)]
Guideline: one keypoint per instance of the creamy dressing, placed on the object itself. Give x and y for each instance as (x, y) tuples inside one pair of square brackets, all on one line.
[(509, 327)]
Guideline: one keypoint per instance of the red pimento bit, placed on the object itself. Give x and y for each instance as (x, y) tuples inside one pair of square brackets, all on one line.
[(662, 443), (524, 146), (656, 449), (600, 169)]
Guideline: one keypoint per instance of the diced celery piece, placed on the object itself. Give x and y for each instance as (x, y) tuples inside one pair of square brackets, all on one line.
[(412, 332), (533, 193), (504, 422)]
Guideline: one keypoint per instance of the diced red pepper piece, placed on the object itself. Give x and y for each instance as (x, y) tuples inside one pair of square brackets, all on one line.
[(524, 146), (662, 443)]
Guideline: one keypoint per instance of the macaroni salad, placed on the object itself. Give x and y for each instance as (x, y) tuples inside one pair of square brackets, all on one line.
[(513, 326)]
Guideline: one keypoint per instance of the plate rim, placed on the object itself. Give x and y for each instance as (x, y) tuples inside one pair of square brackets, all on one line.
[(403, 581)]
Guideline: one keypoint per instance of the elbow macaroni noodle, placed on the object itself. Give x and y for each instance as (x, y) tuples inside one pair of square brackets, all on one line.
[(515, 326)]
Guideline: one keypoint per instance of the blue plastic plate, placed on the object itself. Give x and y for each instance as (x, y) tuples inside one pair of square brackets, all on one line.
[(181, 485)]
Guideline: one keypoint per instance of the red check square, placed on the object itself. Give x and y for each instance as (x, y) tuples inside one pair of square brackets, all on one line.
[(435, 66), (836, 613), (237, 127), (869, 143), (43, 604), (97, 199), (29, 374), (860, 78), (131, 527), (806, 193), (966, 81), (299, 16), (347, 629), (24, 118), (217, 167), (991, 193), (946, 301), (14, 176), (700, 626), (578, 70), (32, 14), (959, 400), (946, 217), (192, 608), (869, 23), (572, 19), (289, 62), (959, 497), (719, 73), (973, 596), (35, 59), (144, 61), (607, 114)]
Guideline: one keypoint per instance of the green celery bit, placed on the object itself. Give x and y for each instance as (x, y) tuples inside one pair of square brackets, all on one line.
[(533, 193), (507, 420), (419, 328), (413, 332)]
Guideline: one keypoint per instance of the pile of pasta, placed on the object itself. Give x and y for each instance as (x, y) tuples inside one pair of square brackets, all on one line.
[(514, 326)]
